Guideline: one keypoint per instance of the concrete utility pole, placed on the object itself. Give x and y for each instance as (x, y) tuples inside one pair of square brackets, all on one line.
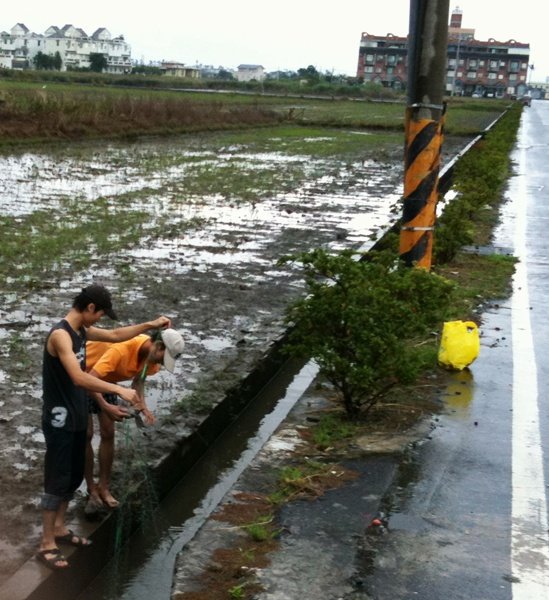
[(428, 44)]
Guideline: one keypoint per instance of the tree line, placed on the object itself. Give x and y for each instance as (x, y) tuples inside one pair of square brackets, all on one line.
[(54, 62)]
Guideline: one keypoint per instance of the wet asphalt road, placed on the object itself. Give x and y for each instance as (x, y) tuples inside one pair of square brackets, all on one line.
[(467, 518)]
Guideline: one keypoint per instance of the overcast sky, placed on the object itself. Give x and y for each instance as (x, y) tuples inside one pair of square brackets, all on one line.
[(285, 35)]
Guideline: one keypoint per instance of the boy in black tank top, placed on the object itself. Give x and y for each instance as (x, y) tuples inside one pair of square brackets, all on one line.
[(65, 410)]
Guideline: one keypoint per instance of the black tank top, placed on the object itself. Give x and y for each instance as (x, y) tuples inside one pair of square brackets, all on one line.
[(65, 404)]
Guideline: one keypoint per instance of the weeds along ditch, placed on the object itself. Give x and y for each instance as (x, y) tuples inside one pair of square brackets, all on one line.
[(189, 225)]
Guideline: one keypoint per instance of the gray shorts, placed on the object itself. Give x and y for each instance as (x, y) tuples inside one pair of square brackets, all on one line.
[(94, 408)]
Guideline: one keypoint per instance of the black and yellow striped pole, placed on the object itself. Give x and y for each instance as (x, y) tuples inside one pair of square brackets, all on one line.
[(427, 68)]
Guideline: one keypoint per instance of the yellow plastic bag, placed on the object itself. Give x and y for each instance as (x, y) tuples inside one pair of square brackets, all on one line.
[(460, 344)]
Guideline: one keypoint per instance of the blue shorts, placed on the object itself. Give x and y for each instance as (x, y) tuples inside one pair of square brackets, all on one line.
[(94, 408)]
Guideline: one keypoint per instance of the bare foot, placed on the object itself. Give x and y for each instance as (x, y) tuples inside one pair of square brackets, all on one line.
[(94, 506), (108, 499)]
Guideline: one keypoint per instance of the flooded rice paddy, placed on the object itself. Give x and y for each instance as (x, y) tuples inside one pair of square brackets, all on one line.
[(190, 227)]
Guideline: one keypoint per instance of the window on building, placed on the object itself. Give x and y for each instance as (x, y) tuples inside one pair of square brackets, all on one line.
[(369, 58), (368, 69), (512, 76), (502, 63), (500, 76), (473, 63), (391, 59), (480, 63), (493, 64), (471, 74), (492, 75)]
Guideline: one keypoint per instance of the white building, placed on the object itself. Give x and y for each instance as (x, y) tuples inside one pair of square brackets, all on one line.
[(250, 73), (176, 69), (20, 46)]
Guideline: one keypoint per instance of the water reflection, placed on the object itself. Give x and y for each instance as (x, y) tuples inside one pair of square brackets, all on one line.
[(459, 393)]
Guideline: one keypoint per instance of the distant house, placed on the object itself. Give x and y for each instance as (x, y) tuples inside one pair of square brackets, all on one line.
[(19, 47), (250, 73), (175, 69)]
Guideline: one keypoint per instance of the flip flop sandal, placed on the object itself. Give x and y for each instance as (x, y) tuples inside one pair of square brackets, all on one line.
[(53, 561), (74, 540)]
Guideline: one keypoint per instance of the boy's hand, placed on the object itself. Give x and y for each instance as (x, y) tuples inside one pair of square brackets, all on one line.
[(161, 323), (129, 395), (115, 412), (148, 417)]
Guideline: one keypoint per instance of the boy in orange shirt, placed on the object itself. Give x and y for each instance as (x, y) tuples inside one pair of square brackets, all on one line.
[(134, 359)]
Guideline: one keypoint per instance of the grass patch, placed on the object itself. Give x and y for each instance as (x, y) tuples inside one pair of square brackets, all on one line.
[(262, 529), (308, 479), (31, 111), (331, 430), (480, 279)]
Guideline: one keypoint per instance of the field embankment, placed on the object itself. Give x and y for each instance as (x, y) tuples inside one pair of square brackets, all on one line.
[(35, 112)]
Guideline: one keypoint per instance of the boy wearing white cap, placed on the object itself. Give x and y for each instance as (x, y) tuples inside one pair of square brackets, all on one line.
[(134, 359)]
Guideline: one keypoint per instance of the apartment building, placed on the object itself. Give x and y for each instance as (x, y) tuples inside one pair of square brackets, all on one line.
[(474, 67), (20, 46)]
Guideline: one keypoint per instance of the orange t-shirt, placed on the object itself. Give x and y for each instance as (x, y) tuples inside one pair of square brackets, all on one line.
[(117, 362)]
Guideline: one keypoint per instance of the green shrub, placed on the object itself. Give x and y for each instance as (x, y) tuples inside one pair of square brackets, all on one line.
[(360, 319), (479, 179)]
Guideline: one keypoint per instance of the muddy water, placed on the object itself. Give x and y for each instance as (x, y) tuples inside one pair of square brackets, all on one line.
[(207, 259), (233, 243), (144, 568)]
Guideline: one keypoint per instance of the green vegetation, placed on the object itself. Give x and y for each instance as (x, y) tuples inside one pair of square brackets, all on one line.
[(48, 61), (367, 322), (74, 106), (39, 243), (331, 430), (361, 321), (479, 180), (309, 478), (262, 529), (98, 62), (237, 591), (332, 130)]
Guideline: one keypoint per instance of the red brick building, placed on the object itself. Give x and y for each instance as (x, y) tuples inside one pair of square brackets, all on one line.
[(480, 68)]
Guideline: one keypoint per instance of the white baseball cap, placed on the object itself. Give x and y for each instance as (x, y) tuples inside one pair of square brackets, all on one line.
[(175, 344)]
